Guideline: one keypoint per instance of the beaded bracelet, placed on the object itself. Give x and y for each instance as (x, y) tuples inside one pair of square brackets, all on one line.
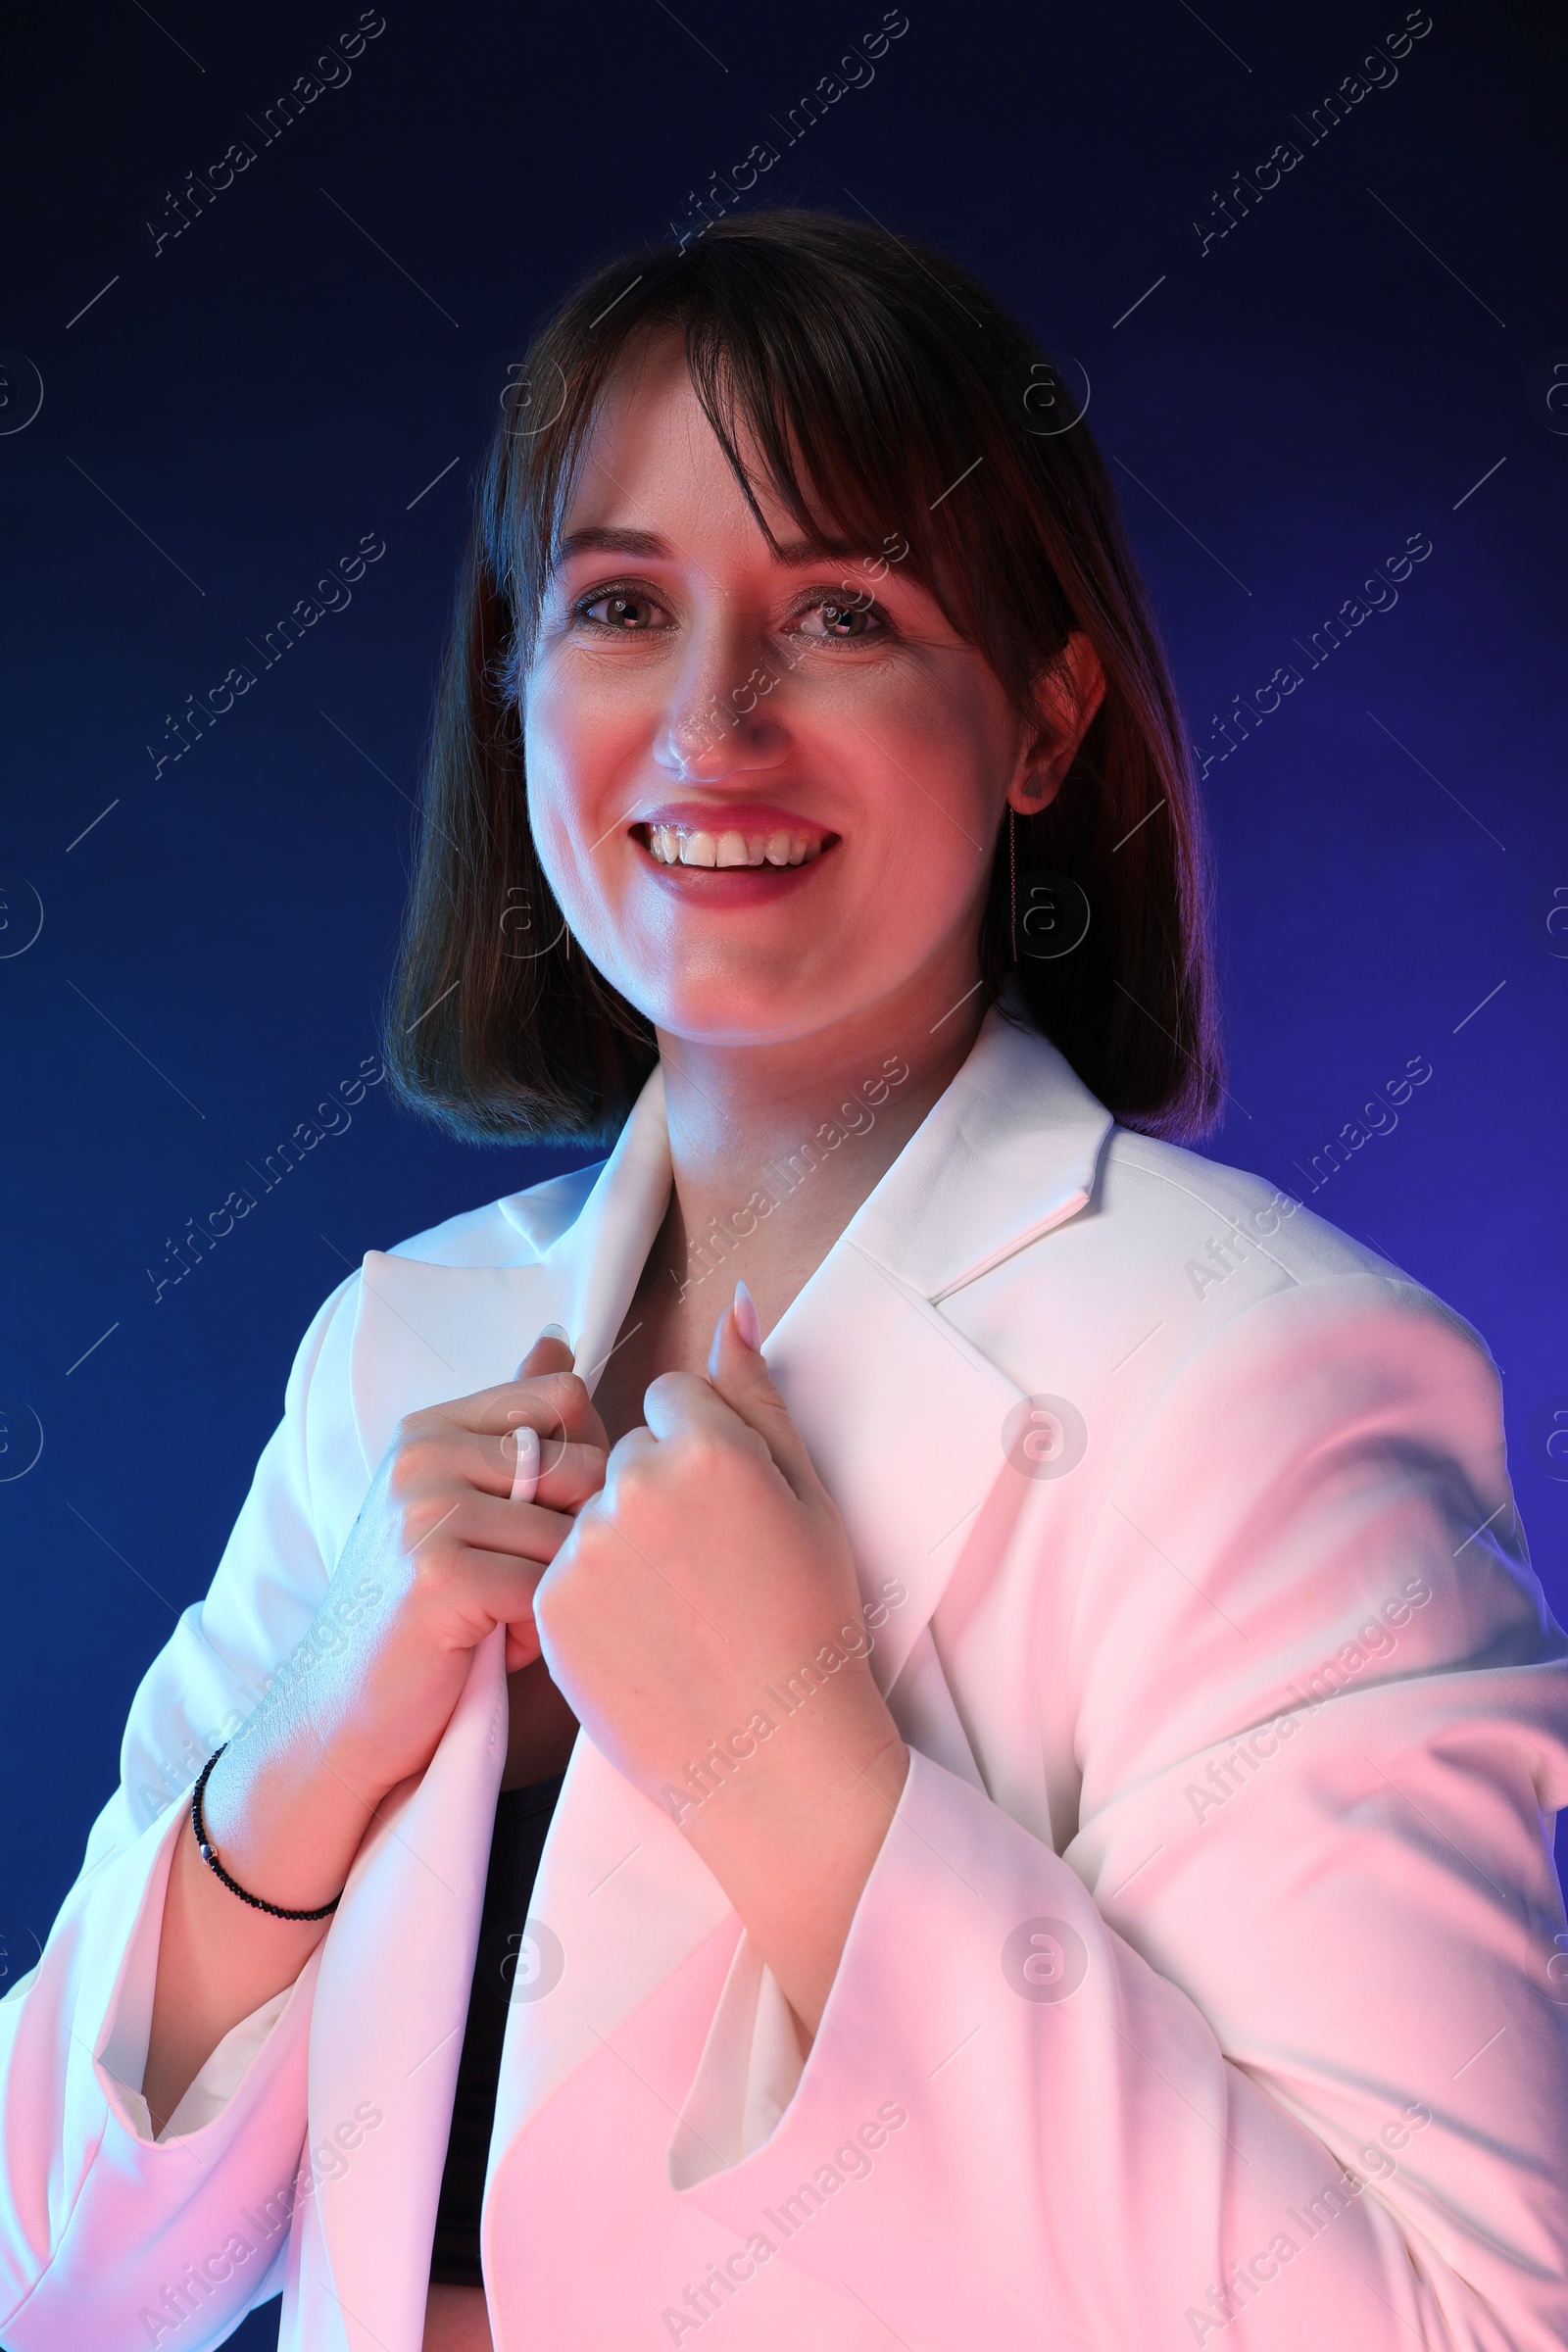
[(209, 1857)]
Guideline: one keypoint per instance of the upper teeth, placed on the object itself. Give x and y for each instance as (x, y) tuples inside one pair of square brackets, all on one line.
[(674, 845)]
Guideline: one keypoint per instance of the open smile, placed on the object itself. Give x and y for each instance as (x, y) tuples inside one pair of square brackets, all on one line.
[(728, 846), (731, 852)]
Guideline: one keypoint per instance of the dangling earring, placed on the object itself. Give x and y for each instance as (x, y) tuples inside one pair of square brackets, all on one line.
[(1012, 878)]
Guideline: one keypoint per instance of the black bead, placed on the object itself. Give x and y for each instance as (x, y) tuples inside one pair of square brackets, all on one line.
[(209, 1857)]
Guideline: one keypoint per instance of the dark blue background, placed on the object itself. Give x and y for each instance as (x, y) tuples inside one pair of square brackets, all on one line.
[(234, 412)]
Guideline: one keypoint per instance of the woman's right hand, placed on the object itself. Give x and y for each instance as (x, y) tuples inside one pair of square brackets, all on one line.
[(438, 1556)]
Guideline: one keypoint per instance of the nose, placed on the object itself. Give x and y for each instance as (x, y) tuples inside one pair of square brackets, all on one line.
[(720, 718), (685, 746)]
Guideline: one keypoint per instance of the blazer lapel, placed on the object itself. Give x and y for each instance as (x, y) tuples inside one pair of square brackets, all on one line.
[(392, 1994), (905, 1421), (386, 2031), (428, 1333)]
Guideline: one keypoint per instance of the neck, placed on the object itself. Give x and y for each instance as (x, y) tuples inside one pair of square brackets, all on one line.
[(775, 1147)]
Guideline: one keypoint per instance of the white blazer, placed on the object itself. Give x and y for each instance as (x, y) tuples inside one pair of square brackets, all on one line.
[(1208, 1984)]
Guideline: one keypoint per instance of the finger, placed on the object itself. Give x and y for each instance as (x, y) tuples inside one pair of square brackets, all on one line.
[(632, 1447), (475, 1586), (503, 1589), (488, 1526), (739, 1375), (568, 1474), (552, 1352), (523, 1645), (737, 1389), (555, 1404)]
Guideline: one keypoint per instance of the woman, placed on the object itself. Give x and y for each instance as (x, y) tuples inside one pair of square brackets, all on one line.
[(947, 1505)]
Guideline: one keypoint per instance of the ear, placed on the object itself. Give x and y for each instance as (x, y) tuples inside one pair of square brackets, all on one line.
[(1067, 698)]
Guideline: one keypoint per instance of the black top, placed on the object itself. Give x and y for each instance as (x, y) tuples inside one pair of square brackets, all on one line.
[(522, 1818)]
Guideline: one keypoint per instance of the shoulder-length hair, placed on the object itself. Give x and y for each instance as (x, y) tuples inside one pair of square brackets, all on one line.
[(867, 379)]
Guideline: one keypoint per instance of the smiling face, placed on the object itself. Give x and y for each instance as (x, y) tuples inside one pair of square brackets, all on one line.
[(766, 793)]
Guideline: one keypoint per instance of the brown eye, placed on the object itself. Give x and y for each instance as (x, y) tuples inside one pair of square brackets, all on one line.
[(630, 614), (846, 622)]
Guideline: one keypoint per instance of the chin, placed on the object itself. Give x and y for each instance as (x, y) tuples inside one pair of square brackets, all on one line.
[(735, 1012)]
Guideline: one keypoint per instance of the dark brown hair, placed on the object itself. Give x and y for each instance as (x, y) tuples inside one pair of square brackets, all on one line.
[(891, 403)]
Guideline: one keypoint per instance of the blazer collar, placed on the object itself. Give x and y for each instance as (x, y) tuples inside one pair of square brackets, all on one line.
[(1007, 1153)]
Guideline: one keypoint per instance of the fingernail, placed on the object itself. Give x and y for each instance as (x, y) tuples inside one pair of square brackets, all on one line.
[(746, 1322), (553, 1331)]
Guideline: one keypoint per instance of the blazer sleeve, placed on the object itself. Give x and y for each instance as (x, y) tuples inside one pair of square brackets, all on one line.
[(1274, 2053), (107, 2235)]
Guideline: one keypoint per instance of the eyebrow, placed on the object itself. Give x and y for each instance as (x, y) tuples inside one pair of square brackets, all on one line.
[(599, 539)]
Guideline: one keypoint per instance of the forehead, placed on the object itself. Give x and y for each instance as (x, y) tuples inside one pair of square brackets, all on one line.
[(651, 471)]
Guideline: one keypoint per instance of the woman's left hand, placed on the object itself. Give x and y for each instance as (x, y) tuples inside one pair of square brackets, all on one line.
[(704, 1621)]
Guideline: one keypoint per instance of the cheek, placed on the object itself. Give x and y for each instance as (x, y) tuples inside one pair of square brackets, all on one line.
[(575, 747), (934, 812), (919, 884), (563, 746), (938, 785)]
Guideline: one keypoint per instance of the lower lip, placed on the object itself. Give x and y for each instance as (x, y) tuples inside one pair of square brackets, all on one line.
[(735, 885)]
